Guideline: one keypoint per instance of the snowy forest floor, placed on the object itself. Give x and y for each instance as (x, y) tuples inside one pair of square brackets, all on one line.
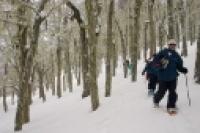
[(128, 110)]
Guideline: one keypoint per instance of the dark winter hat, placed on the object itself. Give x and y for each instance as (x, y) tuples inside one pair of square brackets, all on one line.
[(172, 42)]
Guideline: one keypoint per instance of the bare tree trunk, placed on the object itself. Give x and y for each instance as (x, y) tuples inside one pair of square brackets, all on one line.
[(109, 50), (124, 50), (183, 27), (79, 70), (5, 106), (162, 32), (135, 39), (19, 120), (13, 97), (84, 50), (177, 33), (85, 65), (64, 82), (190, 20), (170, 11), (197, 63), (41, 83), (77, 60), (47, 80), (68, 68), (26, 62), (92, 41), (194, 32), (31, 86), (59, 65), (152, 28), (53, 87), (114, 59)]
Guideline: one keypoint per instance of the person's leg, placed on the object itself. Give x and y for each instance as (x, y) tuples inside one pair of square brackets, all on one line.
[(172, 97), (150, 92), (153, 82), (160, 93)]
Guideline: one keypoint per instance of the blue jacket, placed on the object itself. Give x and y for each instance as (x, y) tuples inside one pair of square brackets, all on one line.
[(150, 68), (173, 62)]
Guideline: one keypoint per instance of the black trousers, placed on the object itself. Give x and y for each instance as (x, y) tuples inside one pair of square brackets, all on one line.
[(163, 87), (152, 81)]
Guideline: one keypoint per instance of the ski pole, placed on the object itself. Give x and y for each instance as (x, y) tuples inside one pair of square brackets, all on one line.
[(188, 92)]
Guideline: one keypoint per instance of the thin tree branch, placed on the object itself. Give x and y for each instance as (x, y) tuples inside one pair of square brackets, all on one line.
[(13, 22), (52, 9), (28, 6)]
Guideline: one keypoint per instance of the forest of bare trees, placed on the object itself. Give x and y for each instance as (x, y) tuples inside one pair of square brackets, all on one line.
[(47, 44)]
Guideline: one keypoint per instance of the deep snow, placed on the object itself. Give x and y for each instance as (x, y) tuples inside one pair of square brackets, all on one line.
[(128, 110)]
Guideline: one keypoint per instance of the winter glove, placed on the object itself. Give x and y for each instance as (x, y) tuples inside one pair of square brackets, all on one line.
[(185, 70)]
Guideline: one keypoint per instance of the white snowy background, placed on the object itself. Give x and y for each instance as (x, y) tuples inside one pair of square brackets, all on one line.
[(128, 110)]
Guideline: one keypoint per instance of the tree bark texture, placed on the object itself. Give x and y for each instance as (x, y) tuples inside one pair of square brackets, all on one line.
[(152, 28), (109, 49), (84, 50), (92, 42), (170, 11), (135, 39), (59, 66), (68, 68), (183, 27), (197, 63)]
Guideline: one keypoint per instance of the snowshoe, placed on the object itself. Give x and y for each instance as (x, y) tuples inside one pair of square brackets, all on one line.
[(172, 111), (155, 105)]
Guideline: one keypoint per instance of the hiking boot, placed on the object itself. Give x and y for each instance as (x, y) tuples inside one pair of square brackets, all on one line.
[(172, 111)]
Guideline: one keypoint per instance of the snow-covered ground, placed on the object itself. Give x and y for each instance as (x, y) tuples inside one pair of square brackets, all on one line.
[(128, 110)]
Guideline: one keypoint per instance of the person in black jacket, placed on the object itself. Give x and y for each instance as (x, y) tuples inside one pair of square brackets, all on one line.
[(169, 62), (151, 74)]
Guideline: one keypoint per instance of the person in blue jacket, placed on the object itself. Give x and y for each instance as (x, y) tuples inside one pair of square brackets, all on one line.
[(170, 62), (151, 74)]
